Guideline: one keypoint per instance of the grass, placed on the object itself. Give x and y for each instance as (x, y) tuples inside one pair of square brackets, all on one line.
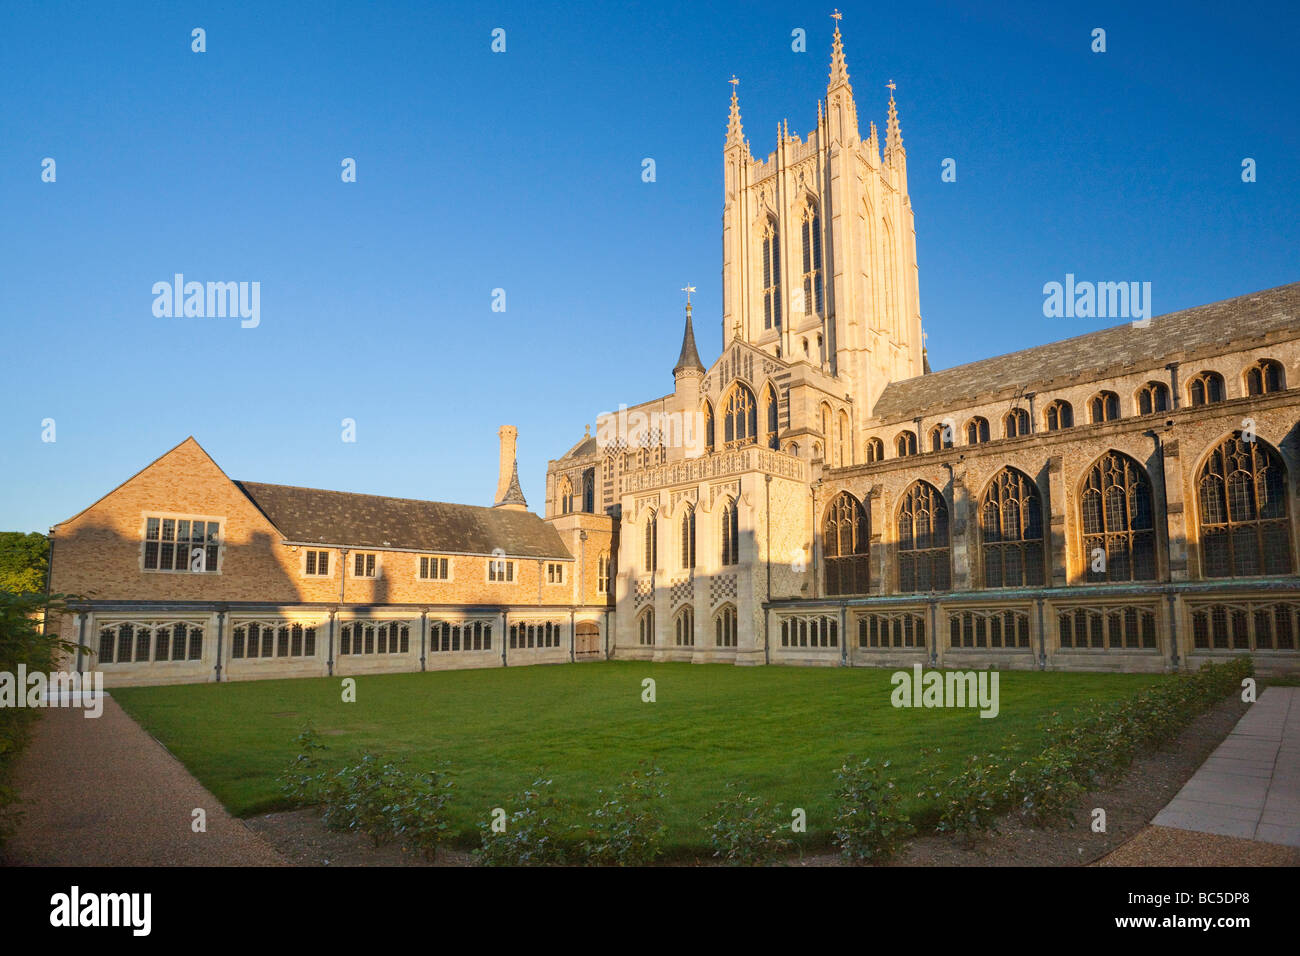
[(776, 731)]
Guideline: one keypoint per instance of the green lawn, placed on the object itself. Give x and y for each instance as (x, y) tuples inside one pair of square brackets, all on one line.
[(777, 731)]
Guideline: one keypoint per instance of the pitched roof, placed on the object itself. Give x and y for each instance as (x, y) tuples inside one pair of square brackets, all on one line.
[(310, 515), (1203, 326)]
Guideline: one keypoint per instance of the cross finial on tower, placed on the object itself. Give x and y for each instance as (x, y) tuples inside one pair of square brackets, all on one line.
[(733, 81), (837, 17), (892, 86)]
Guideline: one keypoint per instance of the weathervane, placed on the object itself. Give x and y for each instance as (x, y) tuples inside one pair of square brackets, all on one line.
[(688, 290), (837, 16), (892, 87)]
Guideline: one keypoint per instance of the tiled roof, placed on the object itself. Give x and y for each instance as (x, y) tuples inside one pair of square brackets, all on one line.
[(1218, 323), (308, 515)]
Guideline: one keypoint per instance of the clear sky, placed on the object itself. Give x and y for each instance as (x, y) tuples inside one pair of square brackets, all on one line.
[(522, 171)]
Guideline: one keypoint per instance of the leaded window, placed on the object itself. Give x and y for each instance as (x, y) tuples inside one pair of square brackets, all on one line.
[(1244, 516), (740, 417), (1011, 528), (1119, 539), (924, 549), (771, 277), (845, 545)]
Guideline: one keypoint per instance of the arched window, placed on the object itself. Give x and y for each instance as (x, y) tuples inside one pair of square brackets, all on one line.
[(1206, 389), (724, 627), (730, 532), (875, 450), (1011, 528), (924, 555), (688, 538), (565, 495), (1153, 397), (812, 260), (589, 491), (1265, 376), (771, 276), (740, 417), (1119, 539), (845, 545), (977, 431), (646, 627), (684, 627), (708, 426), (773, 417), (843, 443), (792, 449), (1060, 414), (651, 541), (940, 437), (1104, 407), (1244, 515), (905, 444), (1015, 423)]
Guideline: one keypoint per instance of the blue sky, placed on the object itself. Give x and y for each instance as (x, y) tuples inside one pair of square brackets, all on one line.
[(522, 171)]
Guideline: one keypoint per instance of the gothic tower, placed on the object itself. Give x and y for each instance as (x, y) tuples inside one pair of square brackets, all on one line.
[(819, 246)]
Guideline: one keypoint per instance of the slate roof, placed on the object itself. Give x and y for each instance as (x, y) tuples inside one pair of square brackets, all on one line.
[(690, 356), (310, 515), (1103, 352)]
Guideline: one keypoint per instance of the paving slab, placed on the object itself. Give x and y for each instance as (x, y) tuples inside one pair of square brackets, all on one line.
[(1250, 786)]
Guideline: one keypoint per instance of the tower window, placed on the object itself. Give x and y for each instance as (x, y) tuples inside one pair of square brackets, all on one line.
[(771, 277)]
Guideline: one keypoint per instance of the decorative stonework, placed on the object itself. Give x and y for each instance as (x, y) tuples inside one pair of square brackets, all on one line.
[(722, 588)]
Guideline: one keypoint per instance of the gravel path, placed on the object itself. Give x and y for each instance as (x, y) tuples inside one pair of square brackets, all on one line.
[(102, 792)]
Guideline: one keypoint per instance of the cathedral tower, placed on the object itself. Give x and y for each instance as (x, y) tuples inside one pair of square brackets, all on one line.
[(819, 246)]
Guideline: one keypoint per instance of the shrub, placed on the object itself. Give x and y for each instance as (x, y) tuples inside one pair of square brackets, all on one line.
[(535, 835), (745, 830), (973, 798), (378, 798), (627, 829), (23, 642), (868, 823)]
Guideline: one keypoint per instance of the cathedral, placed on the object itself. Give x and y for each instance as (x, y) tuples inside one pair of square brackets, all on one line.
[(1124, 499), (818, 495)]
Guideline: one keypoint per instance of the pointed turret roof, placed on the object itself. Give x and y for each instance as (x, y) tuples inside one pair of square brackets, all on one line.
[(735, 133), (893, 135), (690, 357), (514, 494), (839, 69)]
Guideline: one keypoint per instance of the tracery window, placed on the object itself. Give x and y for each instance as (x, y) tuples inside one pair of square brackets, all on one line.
[(1015, 423), (688, 538), (1104, 407), (905, 444), (771, 277), (1119, 539), (740, 417), (977, 431), (1060, 414), (1206, 389), (1011, 529), (684, 627), (724, 627), (1244, 515), (1265, 376), (845, 546), (730, 533), (924, 550), (812, 260), (1153, 397)]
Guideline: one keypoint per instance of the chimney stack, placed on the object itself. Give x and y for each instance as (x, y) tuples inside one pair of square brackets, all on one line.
[(509, 494)]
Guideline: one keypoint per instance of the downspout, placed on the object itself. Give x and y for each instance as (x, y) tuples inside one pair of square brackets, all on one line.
[(329, 661), (424, 620), (1042, 637), (221, 627), (571, 636), (1173, 630), (505, 639), (81, 635), (606, 634), (767, 521)]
